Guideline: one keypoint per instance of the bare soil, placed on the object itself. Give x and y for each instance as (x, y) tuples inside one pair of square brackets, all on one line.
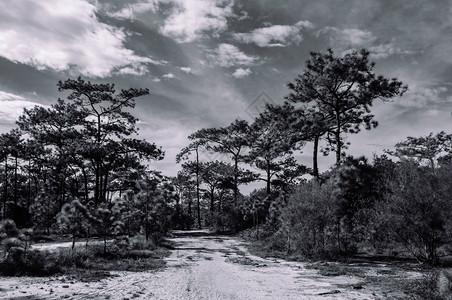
[(206, 266)]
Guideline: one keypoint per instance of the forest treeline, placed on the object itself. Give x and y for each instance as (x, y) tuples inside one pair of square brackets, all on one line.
[(398, 202), (77, 167)]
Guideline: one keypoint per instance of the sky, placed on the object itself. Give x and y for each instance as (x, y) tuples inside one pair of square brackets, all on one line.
[(209, 62)]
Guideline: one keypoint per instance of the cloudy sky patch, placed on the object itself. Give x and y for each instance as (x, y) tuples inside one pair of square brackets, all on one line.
[(227, 55), (191, 54), (12, 106), (275, 35), (192, 19), (65, 35), (240, 73)]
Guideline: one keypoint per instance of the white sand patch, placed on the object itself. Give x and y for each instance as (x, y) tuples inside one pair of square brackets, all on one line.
[(55, 246), (201, 267)]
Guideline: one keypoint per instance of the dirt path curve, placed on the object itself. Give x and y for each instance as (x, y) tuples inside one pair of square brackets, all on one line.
[(202, 266)]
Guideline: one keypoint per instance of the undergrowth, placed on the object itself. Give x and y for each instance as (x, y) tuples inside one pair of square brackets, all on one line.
[(131, 254)]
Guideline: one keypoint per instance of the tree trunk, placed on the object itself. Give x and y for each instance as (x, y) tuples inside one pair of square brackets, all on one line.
[(236, 179), (288, 240), (101, 184), (219, 202), (146, 223), (189, 203), (104, 189), (339, 234), (96, 188), (189, 214), (212, 200), (15, 181), (73, 241), (314, 157), (198, 206), (77, 184), (268, 178), (87, 238), (257, 221), (63, 192), (128, 212), (5, 188), (337, 135), (105, 243), (85, 178), (29, 187)]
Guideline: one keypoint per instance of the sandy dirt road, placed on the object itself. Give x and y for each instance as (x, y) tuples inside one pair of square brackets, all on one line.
[(201, 267)]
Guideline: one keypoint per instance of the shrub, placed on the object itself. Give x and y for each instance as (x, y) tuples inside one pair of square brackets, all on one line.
[(34, 263), (41, 263), (8, 229), (417, 211), (79, 258), (308, 221), (140, 243), (426, 287), (9, 243), (136, 254)]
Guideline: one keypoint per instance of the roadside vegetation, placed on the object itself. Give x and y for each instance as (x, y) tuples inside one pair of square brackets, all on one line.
[(394, 206), (84, 261), (77, 168)]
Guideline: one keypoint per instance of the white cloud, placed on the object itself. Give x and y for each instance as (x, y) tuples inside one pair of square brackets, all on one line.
[(133, 69), (243, 15), (357, 36), (131, 10), (227, 55), (384, 50), (169, 76), (240, 73), (4, 96), (346, 38), (191, 19), (419, 95), (187, 20), (11, 106), (65, 35), (187, 70), (275, 35), (349, 37)]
